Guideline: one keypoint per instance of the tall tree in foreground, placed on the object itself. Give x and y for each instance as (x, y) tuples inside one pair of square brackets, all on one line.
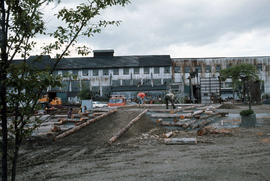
[(20, 84)]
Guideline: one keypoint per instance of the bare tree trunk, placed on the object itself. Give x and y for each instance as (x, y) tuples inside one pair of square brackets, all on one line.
[(4, 128), (3, 90), (15, 156)]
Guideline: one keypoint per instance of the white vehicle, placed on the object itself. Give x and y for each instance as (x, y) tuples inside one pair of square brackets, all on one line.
[(97, 104)]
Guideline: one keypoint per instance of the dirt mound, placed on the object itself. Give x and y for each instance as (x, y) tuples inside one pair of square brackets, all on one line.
[(228, 106)]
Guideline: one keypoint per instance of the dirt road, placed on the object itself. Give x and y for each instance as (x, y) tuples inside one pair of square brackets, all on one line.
[(139, 155)]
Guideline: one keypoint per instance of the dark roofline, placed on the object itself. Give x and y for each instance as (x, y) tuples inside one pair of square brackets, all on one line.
[(194, 58), (107, 62)]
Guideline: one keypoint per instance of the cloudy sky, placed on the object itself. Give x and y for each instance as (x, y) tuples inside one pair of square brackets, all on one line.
[(186, 28)]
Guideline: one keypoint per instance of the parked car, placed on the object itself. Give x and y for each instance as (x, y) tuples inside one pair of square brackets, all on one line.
[(97, 104)]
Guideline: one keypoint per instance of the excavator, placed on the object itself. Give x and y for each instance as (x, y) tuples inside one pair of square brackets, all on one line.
[(48, 101)]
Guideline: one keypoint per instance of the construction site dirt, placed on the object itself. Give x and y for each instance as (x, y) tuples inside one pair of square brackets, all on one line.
[(140, 153)]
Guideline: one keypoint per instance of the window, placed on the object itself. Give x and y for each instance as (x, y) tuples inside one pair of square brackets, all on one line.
[(147, 82), (126, 71), (177, 69), (137, 82), (85, 72), (157, 81), (146, 70), (198, 69), (106, 72), (95, 72), (187, 69), (126, 82), (75, 86), (115, 82), (75, 72), (207, 69), (65, 86), (167, 81), (218, 68), (228, 66), (259, 67), (167, 70), (115, 71), (228, 84), (156, 70), (136, 70)]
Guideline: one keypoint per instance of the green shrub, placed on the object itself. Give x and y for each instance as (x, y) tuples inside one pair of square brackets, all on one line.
[(266, 96), (246, 112), (85, 94)]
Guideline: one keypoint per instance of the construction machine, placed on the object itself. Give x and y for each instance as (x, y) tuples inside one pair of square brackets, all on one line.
[(117, 100), (48, 101)]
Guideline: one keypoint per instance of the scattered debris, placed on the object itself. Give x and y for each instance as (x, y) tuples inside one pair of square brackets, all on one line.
[(265, 140), (168, 135), (210, 130)]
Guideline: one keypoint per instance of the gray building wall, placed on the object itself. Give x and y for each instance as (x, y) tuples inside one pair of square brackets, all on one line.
[(209, 68)]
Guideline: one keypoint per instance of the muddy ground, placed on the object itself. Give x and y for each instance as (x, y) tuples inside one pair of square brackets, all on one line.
[(243, 155)]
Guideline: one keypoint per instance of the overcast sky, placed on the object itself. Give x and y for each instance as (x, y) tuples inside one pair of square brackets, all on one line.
[(186, 28)]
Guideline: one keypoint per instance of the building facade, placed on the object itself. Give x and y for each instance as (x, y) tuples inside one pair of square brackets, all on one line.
[(210, 67), (105, 74)]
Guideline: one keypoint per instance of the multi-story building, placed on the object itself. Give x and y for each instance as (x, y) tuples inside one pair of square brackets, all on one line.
[(210, 67), (106, 74)]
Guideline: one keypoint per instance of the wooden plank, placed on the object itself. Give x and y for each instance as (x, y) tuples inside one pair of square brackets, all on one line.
[(168, 135), (197, 112), (187, 124), (123, 130), (180, 141), (167, 123), (76, 128), (163, 110), (167, 115)]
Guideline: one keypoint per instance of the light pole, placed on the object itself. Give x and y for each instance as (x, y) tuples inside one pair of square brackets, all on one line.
[(244, 77)]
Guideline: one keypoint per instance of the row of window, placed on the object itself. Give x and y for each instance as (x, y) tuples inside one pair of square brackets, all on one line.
[(208, 68), (85, 84), (187, 69), (146, 70), (126, 71)]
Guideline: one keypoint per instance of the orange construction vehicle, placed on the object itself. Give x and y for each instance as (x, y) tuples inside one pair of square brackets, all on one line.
[(117, 101), (56, 101)]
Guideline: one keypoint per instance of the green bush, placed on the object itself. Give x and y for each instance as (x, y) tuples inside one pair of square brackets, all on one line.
[(266, 96), (246, 112), (85, 94)]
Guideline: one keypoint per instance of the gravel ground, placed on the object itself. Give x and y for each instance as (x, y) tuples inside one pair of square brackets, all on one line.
[(140, 155)]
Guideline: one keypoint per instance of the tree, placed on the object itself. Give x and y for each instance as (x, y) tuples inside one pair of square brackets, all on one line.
[(85, 94), (241, 75), (21, 84)]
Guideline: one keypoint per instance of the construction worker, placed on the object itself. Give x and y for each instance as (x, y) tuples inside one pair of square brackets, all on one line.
[(169, 97), (141, 96), (70, 113)]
